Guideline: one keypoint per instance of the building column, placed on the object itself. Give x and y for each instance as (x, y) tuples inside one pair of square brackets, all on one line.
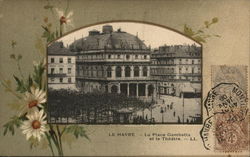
[(119, 88), (123, 71), (113, 71), (128, 89), (148, 73), (140, 71), (137, 90), (146, 90), (132, 71)]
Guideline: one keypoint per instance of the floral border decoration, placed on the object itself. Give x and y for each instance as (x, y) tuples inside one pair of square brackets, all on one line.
[(30, 92)]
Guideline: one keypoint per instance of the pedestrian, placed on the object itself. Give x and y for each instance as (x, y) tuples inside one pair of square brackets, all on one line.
[(179, 120)]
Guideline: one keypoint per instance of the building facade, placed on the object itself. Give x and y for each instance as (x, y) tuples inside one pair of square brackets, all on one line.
[(115, 62), (61, 67), (178, 69)]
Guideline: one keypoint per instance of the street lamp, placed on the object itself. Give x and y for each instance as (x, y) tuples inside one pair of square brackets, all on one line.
[(162, 115)]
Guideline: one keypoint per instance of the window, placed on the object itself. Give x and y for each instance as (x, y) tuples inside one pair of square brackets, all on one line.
[(127, 56), (69, 80), (118, 71), (91, 71), (61, 80), (136, 71), (109, 72), (60, 60), (118, 56), (145, 56), (127, 72), (69, 70), (145, 71), (52, 70), (52, 79), (69, 60), (192, 61), (109, 56), (180, 61), (61, 70), (52, 60), (136, 56)]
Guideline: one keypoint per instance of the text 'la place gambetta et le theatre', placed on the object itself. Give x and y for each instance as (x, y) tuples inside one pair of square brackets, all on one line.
[(114, 61)]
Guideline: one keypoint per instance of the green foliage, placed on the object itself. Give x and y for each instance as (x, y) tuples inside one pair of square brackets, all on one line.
[(76, 130), (10, 126), (23, 86), (48, 35), (38, 74), (201, 34)]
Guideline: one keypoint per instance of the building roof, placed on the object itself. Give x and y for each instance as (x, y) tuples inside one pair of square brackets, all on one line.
[(108, 39), (57, 48), (178, 51)]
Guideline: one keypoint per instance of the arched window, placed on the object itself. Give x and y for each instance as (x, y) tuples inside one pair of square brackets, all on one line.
[(118, 71), (145, 71), (127, 72), (136, 71), (114, 89), (109, 72)]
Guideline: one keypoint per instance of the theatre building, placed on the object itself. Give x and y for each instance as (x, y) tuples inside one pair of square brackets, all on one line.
[(115, 62), (177, 69)]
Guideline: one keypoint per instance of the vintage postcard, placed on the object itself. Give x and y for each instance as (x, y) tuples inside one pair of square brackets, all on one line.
[(124, 78)]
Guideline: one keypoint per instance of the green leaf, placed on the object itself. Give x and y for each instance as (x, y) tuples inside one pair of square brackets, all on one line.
[(206, 24), (77, 131), (20, 85), (13, 56), (215, 20), (38, 74), (10, 126), (19, 57), (188, 31), (199, 39)]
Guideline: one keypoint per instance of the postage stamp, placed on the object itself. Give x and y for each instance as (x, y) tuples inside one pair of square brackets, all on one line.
[(230, 74), (226, 128)]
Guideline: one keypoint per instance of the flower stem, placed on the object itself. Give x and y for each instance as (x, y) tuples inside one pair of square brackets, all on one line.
[(19, 69), (56, 140), (50, 145), (60, 139)]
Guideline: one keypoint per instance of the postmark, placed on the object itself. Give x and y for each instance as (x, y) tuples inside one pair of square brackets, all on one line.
[(226, 128)]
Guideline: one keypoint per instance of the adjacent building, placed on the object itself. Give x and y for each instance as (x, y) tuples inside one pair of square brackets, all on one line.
[(61, 67), (178, 70)]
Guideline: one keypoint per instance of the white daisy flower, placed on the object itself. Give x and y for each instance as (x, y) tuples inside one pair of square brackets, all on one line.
[(35, 126), (33, 100), (66, 19)]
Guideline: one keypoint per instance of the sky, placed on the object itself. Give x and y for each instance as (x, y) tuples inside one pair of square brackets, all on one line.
[(152, 35)]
